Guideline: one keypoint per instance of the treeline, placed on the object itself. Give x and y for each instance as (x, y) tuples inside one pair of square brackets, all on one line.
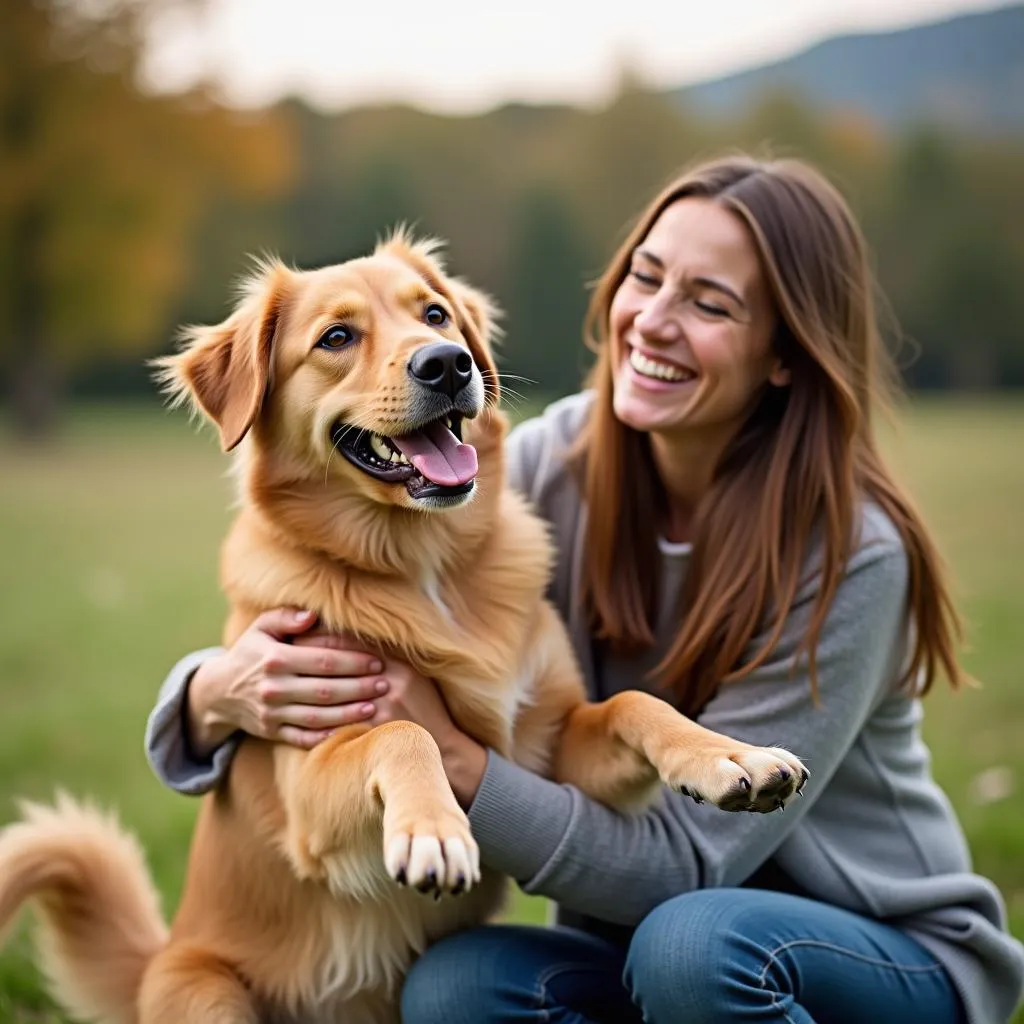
[(123, 215), (534, 200)]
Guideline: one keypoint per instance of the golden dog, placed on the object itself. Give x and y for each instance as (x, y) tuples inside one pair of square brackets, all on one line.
[(345, 391)]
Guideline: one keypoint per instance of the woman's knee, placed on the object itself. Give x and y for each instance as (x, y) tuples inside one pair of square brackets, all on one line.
[(515, 972), (684, 951), (485, 974), (447, 984), (738, 954)]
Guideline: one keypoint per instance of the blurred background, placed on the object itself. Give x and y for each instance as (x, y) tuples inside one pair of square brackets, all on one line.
[(149, 146)]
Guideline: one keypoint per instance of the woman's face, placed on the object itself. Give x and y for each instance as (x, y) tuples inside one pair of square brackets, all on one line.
[(693, 311)]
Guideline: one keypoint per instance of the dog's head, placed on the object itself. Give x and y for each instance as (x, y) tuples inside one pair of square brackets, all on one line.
[(378, 360)]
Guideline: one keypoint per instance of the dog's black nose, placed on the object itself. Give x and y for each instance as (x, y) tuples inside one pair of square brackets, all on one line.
[(442, 366)]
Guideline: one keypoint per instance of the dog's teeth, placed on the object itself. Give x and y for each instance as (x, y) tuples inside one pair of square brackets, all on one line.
[(380, 448), (385, 451)]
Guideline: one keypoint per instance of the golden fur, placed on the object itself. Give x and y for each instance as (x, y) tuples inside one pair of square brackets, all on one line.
[(292, 909)]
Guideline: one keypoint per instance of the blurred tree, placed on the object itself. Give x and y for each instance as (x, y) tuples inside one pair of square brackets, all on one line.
[(547, 297), (782, 124), (122, 215), (631, 149), (100, 187), (970, 306)]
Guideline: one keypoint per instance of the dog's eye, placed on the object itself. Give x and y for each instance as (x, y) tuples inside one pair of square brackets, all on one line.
[(435, 315), (335, 337)]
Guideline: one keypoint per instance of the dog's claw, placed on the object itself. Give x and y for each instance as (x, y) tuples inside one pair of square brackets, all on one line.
[(401, 878), (429, 883)]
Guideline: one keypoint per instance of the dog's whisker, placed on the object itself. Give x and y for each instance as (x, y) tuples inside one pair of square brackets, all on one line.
[(508, 392), (334, 448), (514, 404), (502, 377), (499, 380), (514, 393), (514, 398), (327, 468)]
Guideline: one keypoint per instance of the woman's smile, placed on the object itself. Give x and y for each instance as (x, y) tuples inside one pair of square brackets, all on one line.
[(656, 373)]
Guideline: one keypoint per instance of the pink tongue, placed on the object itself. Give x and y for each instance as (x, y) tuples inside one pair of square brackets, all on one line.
[(439, 455)]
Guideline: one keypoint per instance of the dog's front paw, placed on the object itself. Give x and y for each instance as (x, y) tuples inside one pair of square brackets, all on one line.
[(433, 853), (739, 779)]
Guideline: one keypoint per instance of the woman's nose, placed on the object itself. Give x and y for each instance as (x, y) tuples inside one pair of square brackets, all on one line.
[(657, 321)]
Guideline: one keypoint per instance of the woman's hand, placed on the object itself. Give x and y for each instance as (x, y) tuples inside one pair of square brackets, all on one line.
[(300, 692), (411, 697), (294, 692)]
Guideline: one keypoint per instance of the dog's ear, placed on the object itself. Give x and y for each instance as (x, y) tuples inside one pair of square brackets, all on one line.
[(477, 313), (224, 371)]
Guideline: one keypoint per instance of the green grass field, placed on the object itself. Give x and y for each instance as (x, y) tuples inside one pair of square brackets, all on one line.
[(108, 550)]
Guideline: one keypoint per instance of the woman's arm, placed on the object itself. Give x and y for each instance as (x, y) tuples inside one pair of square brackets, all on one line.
[(168, 750), (295, 692), (560, 844)]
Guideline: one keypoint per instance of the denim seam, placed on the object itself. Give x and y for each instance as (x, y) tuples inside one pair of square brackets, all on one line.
[(773, 957), (763, 978), (773, 954), (541, 993), (777, 1007)]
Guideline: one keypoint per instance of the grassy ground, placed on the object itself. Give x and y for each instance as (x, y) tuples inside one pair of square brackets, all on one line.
[(108, 546)]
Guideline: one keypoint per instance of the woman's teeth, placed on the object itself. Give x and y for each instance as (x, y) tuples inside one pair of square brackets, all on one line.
[(660, 371)]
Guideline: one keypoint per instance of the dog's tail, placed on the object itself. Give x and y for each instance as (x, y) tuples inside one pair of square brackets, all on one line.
[(98, 909)]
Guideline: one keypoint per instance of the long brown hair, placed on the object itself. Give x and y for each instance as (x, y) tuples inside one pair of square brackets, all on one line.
[(796, 470)]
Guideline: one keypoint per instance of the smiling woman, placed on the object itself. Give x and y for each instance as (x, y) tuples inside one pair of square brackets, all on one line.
[(728, 536), (692, 325)]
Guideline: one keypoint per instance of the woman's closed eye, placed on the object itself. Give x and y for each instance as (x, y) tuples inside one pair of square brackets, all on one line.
[(710, 309), (647, 280)]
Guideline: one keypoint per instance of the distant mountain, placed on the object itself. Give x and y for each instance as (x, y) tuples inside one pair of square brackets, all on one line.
[(966, 73)]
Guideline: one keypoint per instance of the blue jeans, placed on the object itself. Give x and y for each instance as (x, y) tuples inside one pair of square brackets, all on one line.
[(717, 955)]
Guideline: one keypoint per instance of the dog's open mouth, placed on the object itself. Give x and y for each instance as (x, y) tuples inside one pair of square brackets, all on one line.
[(432, 461)]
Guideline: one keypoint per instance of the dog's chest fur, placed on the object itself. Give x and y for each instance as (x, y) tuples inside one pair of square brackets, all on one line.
[(468, 628)]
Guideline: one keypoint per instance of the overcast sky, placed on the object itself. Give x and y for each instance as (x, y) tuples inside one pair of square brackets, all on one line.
[(467, 55)]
